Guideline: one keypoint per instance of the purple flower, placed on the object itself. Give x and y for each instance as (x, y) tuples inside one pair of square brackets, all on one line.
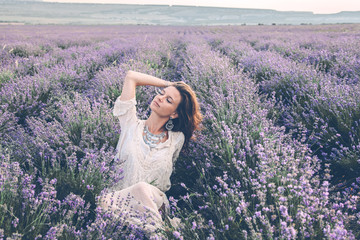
[(177, 235), (193, 225)]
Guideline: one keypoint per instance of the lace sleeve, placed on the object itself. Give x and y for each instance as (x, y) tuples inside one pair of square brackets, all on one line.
[(125, 111)]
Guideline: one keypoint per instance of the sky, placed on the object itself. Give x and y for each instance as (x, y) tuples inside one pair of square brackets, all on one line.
[(315, 6)]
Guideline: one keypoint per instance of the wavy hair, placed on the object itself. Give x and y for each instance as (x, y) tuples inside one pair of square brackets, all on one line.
[(189, 115)]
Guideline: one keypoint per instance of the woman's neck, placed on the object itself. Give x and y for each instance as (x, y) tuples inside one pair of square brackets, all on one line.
[(155, 123)]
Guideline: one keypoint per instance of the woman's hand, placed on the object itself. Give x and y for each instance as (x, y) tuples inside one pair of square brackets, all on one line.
[(168, 84)]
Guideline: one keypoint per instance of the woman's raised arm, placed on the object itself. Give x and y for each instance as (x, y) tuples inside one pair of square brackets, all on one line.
[(133, 79)]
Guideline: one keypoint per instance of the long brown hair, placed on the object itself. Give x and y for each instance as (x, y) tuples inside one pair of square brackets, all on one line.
[(189, 115)]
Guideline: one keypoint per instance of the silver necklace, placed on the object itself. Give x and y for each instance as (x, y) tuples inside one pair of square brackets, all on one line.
[(152, 139)]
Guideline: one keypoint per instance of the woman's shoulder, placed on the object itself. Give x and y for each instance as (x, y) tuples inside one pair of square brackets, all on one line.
[(178, 137)]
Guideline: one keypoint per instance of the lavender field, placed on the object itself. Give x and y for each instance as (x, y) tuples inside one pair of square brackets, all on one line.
[(278, 156)]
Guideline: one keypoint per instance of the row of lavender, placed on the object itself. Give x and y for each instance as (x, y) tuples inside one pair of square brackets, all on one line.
[(278, 110), (269, 192)]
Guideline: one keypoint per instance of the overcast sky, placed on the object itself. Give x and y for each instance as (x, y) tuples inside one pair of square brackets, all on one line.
[(316, 6)]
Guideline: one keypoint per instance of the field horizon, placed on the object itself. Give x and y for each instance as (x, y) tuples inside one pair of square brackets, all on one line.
[(39, 12)]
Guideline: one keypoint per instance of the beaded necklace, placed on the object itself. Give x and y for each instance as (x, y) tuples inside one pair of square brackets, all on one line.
[(152, 139)]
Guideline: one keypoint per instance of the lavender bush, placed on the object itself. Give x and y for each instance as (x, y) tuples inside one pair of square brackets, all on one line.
[(269, 185), (309, 94), (277, 157)]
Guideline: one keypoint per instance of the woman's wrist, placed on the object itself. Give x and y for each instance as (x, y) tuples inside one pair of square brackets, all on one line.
[(167, 83)]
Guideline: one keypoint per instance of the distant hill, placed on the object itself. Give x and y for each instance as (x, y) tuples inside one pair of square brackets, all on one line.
[(38, 12)]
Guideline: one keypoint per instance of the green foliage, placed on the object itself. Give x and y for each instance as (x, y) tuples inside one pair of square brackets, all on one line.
[(5, 76)]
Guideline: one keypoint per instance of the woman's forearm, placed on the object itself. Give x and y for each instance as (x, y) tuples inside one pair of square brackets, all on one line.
[(133, 79), (142, 79)]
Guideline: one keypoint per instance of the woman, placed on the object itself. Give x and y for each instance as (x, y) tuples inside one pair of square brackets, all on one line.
[(148, 149)]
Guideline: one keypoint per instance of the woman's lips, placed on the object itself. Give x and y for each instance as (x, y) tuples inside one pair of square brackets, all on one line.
[(156, 103)]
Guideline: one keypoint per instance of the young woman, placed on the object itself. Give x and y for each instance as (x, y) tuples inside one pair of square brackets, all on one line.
[(148, 149)]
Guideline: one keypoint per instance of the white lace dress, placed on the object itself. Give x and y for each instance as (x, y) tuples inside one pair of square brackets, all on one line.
[(146, 171)]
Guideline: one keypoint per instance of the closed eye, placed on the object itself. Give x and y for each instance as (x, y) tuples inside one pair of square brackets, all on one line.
[(159, 91), (162, 92)]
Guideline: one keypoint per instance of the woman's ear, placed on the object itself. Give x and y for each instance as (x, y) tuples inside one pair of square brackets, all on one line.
[(174, 115)]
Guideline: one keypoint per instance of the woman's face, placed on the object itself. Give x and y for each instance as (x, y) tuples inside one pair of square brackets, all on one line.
[(166, 102)]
